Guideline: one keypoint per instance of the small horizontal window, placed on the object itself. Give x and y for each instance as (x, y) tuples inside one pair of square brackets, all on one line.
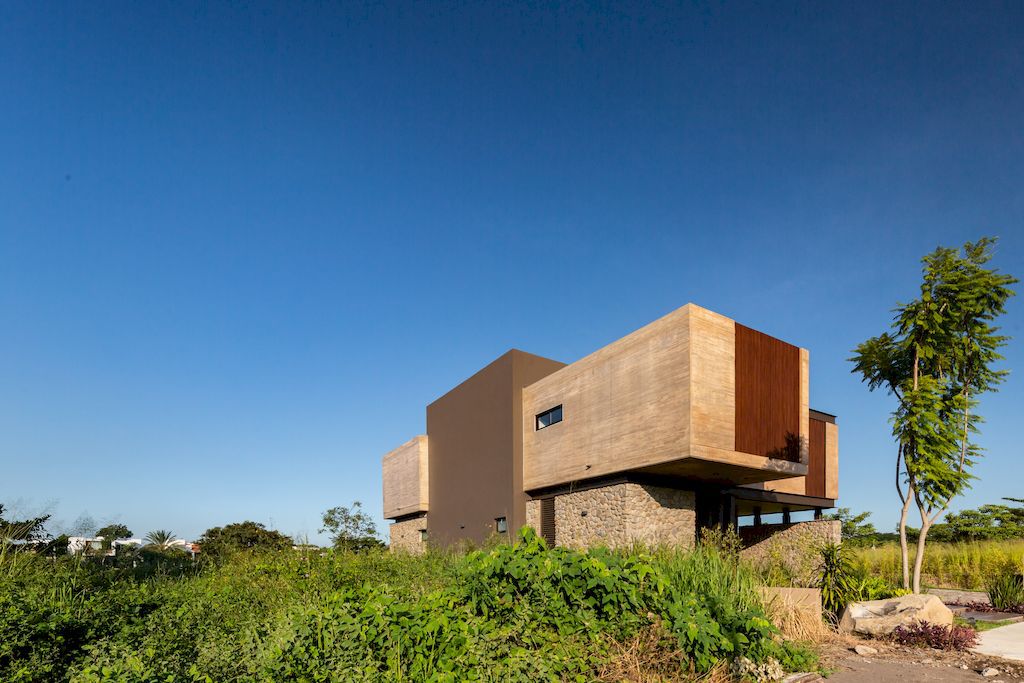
[(501, 525), (549, 417)]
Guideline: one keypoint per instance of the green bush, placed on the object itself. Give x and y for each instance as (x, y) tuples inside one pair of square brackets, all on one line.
[(510, 613), (1006, 592)]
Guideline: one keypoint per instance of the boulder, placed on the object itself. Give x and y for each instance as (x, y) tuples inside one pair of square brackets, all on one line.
[(880, 617)]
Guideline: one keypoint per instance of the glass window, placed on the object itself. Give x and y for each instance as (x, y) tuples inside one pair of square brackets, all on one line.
[(501, 524), (423, 534), (549, 417)]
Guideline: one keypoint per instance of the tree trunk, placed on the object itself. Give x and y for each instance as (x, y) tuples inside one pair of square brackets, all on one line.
[(919, 558), (904, 549)]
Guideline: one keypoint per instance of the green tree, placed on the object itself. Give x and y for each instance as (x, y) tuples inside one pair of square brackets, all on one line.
[(113, 532), (937, 359), (160, 538), (225, 540), (856, 528), (351, 528), (32, 529)]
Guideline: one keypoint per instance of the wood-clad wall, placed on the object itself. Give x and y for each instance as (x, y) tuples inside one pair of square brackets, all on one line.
[(815, 485), (768, 396), (405, 479)]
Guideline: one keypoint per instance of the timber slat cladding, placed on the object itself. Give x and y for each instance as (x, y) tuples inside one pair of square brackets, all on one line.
[(767, 395), (815, 483), (547, 520)]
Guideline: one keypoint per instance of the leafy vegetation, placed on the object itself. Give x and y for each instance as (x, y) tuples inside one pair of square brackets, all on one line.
[(510, 613), (351, 528), (940, 355), (1006, 592), (922, 634), (221, 542)]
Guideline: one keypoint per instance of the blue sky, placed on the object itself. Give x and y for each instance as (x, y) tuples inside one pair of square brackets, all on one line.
[(241, 248)]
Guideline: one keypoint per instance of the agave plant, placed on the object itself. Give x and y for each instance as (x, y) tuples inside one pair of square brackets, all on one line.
[(161, 539)]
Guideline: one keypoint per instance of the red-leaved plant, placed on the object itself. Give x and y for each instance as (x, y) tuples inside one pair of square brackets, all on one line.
[(923, 634)]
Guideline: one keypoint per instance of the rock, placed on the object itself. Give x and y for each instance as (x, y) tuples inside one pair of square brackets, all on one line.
[(864, 650), (990, 672), (880, 617)]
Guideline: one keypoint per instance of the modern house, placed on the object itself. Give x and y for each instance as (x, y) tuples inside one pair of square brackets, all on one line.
[(691, 421)]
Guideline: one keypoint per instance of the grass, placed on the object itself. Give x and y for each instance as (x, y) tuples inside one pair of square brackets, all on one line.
[(522, 613), (967, 566)]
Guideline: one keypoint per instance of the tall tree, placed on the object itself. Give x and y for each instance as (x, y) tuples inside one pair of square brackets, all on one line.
[(351, 528), (222, 541), (937, 359)]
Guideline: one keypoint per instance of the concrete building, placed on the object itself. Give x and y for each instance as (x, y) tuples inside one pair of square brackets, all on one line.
[(692, 421)]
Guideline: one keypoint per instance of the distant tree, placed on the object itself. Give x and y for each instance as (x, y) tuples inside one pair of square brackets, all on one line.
[(351, 528), (938, 358), (113, 532), (84, 525), (856, 528), (222, 541), (160, 538), (32, 529), (989, 522)]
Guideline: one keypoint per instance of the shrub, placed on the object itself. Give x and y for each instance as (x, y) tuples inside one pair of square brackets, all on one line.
[(1006, 592), (924, 634), (511, 613), (836, 579)]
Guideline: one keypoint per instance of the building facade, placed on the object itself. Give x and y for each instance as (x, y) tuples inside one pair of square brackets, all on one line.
[(692, 421)]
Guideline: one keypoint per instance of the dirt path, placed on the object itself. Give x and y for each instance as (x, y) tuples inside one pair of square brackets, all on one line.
[(904, 665)]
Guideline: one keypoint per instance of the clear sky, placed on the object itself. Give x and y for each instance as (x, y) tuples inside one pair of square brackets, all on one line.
[(241, 248)]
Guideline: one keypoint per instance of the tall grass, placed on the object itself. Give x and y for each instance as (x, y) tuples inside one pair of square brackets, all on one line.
[(967, 566)]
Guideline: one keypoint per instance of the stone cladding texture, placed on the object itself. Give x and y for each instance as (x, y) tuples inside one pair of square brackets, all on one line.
[(622, 514), (405, 535), (796, 547)]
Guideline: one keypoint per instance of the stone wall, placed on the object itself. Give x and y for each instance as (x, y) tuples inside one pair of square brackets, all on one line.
[(405, 535), (533, 515), (622, 514), (795, 547)]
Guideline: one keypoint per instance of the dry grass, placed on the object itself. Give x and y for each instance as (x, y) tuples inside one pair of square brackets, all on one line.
[(968, 566), (798, 622), (652, 656)]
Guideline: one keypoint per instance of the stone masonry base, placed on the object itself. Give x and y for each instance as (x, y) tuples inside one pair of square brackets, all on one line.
[(621, 514), (795, 547), (406, 536)]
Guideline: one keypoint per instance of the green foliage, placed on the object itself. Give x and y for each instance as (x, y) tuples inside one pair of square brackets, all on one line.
[(836, 579), (1006, 592), (220, 542), (161, 538), (510, 613), (351, 528), (856, 528), (989, 522), (23, 530), (939, 356)]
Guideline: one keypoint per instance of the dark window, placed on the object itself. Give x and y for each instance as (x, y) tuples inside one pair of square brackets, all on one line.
[(549, 417), (423, 534), (501, 525)]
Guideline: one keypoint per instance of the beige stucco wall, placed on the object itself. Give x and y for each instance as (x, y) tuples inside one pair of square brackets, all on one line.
[(622, 514), (406, 537), (796, 547), (405, 478)]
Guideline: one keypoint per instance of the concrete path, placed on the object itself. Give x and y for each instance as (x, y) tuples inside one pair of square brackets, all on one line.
[(1006, 642)]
